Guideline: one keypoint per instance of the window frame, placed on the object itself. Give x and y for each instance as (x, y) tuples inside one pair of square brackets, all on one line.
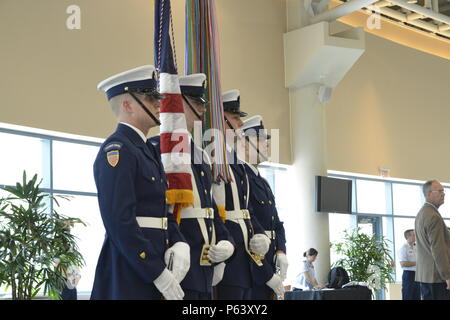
[(390, 213), (49, 137)]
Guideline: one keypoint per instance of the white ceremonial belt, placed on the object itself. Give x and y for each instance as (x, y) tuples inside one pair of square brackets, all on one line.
[(270, 234), (151, 222), (238, 214), (191, 213)]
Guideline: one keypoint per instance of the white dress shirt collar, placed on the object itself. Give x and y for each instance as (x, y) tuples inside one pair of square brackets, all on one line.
[(432, 206), (254, 169), (139, 132)]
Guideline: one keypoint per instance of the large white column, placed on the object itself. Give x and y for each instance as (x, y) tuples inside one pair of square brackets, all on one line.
[(308, 138), (314, 57)]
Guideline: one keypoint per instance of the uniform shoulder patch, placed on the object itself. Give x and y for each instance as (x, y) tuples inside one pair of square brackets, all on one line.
[(113, 146), (113, 157), (112, 150)]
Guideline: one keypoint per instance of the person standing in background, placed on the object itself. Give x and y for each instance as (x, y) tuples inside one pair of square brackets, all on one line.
[(306, 279), (407, 258), (432, 245)]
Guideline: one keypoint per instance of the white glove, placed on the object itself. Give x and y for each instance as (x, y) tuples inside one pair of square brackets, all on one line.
[(218, 273), (276, 285), (169, 286), (259, 244), (281, 262), (221, 251), (181, 259)]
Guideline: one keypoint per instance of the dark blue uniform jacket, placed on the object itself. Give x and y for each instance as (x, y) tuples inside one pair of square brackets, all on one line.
[(264, 210), (238, 267), (131, 257)]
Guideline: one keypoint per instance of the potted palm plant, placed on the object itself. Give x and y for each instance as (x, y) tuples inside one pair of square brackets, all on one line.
[(366, 258), (36, 246)]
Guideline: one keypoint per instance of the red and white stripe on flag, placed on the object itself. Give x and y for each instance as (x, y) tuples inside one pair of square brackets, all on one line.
[(175, 142), (174, 138)]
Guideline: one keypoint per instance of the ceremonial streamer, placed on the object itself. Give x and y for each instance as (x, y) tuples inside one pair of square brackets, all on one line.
[(202, 56)]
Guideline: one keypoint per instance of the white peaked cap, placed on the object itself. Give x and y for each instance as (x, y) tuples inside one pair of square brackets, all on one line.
[(254, 126), (231, 95), (193, 80), (252, 122), (136, 74)]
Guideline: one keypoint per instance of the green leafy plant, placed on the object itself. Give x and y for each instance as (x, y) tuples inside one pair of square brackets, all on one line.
[(366, 258), (36, 246)]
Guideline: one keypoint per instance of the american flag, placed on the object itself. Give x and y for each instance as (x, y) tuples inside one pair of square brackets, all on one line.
[(175, 148)]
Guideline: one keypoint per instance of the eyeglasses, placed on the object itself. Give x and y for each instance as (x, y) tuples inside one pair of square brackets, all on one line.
[(440, 191)]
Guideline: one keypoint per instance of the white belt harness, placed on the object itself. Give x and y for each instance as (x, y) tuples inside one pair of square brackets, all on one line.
[(152, 222), (238, 215), (190, 213), (200, 214)]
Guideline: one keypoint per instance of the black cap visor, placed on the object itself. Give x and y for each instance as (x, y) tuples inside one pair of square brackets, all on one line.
[(235, 110), (199, 99), (147, 91)]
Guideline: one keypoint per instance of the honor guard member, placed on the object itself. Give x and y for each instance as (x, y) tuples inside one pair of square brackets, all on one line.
[(209, 240), (131, 189), (251, 242), (269, 279)]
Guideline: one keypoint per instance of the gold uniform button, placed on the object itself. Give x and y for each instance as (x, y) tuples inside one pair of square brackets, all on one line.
[(242, 181), (262, 202), (245, 197), (202, 173), (210, 229), (167, 241), (206, 191), (153, 178), (142, 255), (270, 202)]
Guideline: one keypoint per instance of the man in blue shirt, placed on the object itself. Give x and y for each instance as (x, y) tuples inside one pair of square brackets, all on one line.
[(407, 258)]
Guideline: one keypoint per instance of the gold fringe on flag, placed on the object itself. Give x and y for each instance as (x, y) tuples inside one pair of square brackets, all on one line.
[(180, 199), (222, 213)]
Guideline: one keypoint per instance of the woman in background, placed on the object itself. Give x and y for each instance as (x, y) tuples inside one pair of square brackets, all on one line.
[(306, 279)]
